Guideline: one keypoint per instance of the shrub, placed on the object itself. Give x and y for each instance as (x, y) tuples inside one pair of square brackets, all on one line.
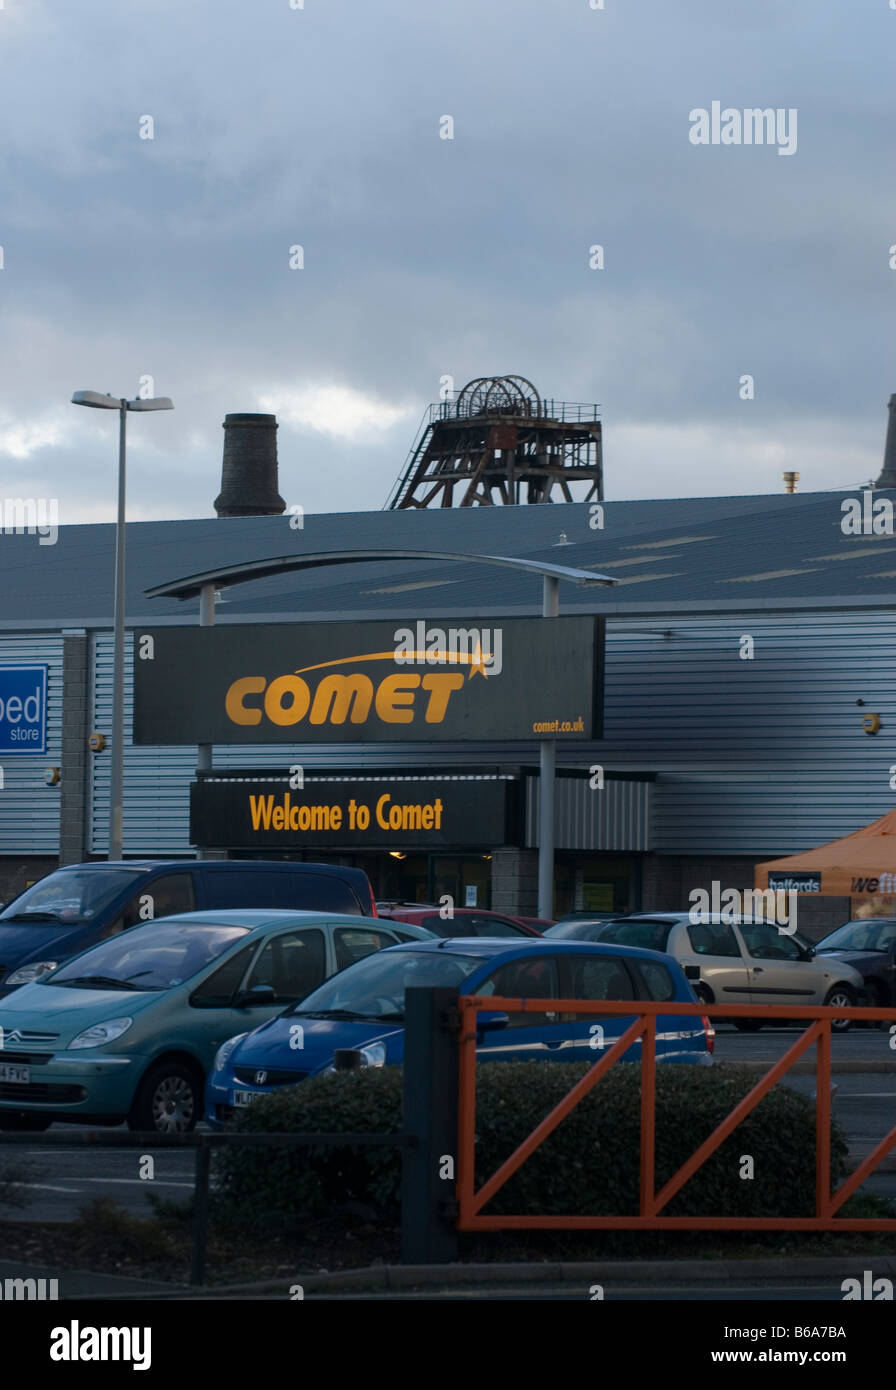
[(588, 1166), (269, 1185), (104, 1230)]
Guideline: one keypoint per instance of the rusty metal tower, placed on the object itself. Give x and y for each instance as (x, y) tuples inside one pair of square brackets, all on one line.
[(495, 438)]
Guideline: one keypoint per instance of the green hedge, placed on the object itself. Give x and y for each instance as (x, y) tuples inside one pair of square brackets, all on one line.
[(588, 1166)]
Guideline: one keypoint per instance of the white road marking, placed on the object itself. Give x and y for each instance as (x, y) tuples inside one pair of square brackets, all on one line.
[(45, 1187), (142, 1182)]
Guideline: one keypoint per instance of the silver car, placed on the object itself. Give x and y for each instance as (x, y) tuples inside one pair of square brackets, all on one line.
[(746, 963)]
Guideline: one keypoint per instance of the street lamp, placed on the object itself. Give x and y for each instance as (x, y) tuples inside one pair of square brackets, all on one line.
[(116, 786)]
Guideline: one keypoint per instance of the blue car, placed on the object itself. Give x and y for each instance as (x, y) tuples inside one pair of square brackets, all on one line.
[(363, 1008)]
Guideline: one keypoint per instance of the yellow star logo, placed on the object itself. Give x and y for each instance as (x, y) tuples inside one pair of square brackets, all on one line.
[(478, 662)]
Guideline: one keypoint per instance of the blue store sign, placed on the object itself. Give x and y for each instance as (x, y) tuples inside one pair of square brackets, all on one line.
[(23, 709)]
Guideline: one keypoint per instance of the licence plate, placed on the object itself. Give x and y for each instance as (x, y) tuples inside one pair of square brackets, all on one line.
[(243, 1097), (9, 1072)]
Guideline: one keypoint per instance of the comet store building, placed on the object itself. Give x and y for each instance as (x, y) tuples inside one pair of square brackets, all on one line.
[(420, 828)]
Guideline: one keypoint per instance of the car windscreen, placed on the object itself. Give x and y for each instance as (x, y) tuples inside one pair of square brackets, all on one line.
[(871, 934), (156, 957), (374, 987), (70, 895), (583, 930), (652, 935)]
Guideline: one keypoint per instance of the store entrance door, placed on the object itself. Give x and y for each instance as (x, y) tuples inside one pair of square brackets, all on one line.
[(428, 878)]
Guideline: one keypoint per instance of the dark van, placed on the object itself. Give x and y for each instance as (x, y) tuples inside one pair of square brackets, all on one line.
[(77, 906)]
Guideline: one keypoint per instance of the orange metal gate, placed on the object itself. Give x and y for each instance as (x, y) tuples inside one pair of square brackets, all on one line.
[(651, 1204)]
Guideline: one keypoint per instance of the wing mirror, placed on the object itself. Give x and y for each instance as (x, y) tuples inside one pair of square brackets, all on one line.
[(258, 994)]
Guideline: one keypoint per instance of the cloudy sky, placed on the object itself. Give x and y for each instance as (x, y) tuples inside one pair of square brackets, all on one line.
[(126, 257)]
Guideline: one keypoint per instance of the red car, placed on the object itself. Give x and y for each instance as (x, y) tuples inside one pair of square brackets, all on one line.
[(465, 921)]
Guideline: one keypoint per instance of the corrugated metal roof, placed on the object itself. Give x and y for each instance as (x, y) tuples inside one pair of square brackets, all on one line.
[(774, 541)]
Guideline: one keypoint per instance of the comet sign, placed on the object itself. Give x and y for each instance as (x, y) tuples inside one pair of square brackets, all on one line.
[(415, 681)]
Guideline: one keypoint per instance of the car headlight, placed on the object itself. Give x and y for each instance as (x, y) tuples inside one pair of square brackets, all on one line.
[(26, 973), (100, 1033), (225, 1050)]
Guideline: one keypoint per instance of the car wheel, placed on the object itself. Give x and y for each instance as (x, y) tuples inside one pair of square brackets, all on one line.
[(168, 1100), (23, 1121), (747, 1025), (841, 996)]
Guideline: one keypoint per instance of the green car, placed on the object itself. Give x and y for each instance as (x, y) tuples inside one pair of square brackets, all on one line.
[(128, 1029)]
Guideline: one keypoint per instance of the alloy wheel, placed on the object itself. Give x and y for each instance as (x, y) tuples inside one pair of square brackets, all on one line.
[(173, 1105)]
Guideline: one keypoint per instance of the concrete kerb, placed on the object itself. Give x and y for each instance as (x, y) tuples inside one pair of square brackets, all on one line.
[(809, 1068), (381, 1278)]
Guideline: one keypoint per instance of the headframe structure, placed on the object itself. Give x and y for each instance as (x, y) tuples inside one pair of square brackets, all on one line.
[(497, 442)]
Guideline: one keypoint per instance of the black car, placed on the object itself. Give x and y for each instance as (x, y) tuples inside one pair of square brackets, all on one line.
[(868, 944), (82, 904)]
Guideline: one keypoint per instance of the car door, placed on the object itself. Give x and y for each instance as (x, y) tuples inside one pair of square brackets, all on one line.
[(777, 968), (292, 962), (528, 1036), (213, 1019), (715, 952), (596, 977)]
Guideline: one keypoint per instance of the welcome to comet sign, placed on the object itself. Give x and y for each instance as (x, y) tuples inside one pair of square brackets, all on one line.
[(512, 678)]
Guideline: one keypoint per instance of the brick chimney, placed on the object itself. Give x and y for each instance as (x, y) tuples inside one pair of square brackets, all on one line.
[(249, 472)]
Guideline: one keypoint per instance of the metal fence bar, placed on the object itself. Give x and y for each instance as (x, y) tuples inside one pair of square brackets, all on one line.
[(559, 1112), (740, 1112), (200, 1212), (823, 1120), (466, 1115), (430, 1087), (681, 1223), (820, 1017), (133, 1139), (647, 1204), (868, 1165)]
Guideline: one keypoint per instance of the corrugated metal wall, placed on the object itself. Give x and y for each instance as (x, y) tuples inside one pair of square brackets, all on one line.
[(762, 757), (613, 817), (29, 809)]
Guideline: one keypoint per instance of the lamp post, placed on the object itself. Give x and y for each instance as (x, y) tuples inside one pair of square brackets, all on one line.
[(98, 401)]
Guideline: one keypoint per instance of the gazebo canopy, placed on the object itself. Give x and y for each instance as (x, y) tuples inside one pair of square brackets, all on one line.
[(862, 864)]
